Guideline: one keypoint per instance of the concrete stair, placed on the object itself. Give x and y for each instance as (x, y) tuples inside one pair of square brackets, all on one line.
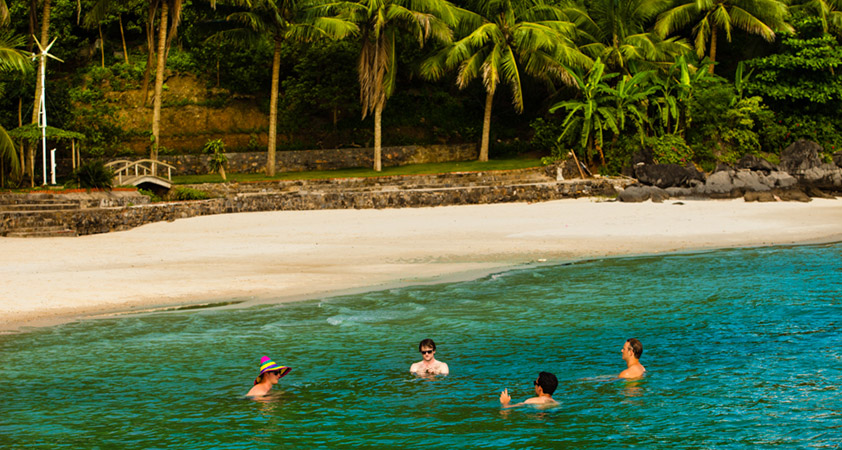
[(42, 231)]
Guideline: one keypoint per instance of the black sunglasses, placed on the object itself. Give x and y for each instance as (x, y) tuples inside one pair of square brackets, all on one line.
[(277, 373), (424, 352)]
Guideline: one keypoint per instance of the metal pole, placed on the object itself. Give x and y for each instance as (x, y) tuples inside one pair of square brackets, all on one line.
[(42, 114)]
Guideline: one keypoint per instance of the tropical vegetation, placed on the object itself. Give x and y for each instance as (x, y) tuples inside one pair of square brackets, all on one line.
[(701, 82)]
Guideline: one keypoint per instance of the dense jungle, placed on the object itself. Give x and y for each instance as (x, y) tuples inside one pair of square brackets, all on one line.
[(696, 82)]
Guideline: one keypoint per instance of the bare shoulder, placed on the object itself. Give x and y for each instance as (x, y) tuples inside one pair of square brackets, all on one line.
[(540, 401), (415, 367), (443, 369), (635, 371)]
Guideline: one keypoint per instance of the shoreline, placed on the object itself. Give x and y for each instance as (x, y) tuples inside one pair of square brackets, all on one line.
[(289, 256)]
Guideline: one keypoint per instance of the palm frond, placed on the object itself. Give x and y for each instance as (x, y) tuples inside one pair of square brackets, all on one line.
[(751, 24)]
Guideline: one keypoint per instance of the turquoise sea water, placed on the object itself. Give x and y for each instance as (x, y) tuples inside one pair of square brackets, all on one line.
[(743, 350)]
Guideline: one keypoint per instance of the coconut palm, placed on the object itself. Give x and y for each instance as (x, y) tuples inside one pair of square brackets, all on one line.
[(170, 15), (281, 20), (622, 36), (102, 11), (591, 114), (380, 22), (505, 40), (708, 17), (11, 60)]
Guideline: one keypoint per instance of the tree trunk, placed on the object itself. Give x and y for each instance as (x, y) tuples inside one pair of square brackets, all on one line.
[(31, 148), (150, 49), (123, 38), (222, 172), (273, 109), (712, 47), (378, 133), (159, 84), (42, 66), (486, 127), (101, 46), (22, 153)]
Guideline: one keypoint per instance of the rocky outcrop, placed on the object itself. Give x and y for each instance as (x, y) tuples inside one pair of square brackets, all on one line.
[(801, 174), (667, 175), (801, 160)]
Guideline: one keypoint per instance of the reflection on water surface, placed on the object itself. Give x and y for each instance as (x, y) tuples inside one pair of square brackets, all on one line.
[(741, 346)]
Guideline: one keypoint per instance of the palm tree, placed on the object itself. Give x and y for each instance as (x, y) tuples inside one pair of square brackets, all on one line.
[(11, 60), (505, 40), (168, 8), (379, 22), (620, 29), (591, 114), (760, 17), (101, 12), (281, 20)]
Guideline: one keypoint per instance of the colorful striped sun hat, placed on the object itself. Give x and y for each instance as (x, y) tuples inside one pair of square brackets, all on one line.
[(267, 365)]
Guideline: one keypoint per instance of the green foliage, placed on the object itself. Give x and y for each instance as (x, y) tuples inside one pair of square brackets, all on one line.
[(94, 175), (152, 195), (180, 193), (217, 162), (726, 127), (805, 72), (670, 149)]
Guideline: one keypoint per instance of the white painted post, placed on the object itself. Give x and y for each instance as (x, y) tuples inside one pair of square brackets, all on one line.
[(53, 166)]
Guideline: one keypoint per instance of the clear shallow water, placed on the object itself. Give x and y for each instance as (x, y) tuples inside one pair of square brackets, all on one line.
[(743, 349)]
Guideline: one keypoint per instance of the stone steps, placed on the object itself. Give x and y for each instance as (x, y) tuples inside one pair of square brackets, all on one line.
[(38, 207), (42, 231)]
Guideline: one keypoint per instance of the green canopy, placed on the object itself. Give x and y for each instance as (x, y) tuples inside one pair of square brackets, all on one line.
[(32, 133)]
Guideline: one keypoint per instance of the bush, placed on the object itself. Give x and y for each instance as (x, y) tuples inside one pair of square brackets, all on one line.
[(670, 149), (94, 175), (185, 193), (152, 196)]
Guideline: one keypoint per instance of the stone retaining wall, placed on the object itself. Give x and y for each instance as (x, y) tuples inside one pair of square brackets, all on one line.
[(102, 220), (304, 160)]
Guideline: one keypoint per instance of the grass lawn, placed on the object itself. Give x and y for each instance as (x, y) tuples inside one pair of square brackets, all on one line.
[(415, 169)]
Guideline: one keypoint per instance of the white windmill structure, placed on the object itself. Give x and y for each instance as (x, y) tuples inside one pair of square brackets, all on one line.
[(42, 107)]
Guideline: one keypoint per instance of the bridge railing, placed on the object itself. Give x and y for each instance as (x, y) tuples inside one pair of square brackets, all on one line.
[(123, 169)]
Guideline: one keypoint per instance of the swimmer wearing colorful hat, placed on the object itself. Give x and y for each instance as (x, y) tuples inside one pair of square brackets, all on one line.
[(270, 373)]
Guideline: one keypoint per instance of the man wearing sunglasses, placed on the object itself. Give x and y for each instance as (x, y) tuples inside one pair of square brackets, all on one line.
[(429, 365)]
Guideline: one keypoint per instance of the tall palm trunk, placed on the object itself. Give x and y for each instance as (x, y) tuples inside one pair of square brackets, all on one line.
[(42, 67), (273, 109), (150, 48), (123, 38), (486, 127), (159, 82), (378, 133), (101, 46), (712, 47)]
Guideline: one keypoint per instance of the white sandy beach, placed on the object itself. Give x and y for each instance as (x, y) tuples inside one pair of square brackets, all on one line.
[(285, 256)]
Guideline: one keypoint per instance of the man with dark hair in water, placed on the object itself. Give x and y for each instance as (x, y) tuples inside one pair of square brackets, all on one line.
[(632, 351), (428, 364), (545, 385)]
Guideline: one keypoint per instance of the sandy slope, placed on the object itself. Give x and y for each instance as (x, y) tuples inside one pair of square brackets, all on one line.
[(282, 256)]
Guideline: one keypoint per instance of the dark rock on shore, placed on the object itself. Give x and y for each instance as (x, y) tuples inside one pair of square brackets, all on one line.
[(638, 194), (752, 162), (801, 159), (667, 175)]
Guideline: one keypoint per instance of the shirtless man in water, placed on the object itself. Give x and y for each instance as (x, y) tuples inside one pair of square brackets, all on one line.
[(632, 350), (545, 385), (428, 365)]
